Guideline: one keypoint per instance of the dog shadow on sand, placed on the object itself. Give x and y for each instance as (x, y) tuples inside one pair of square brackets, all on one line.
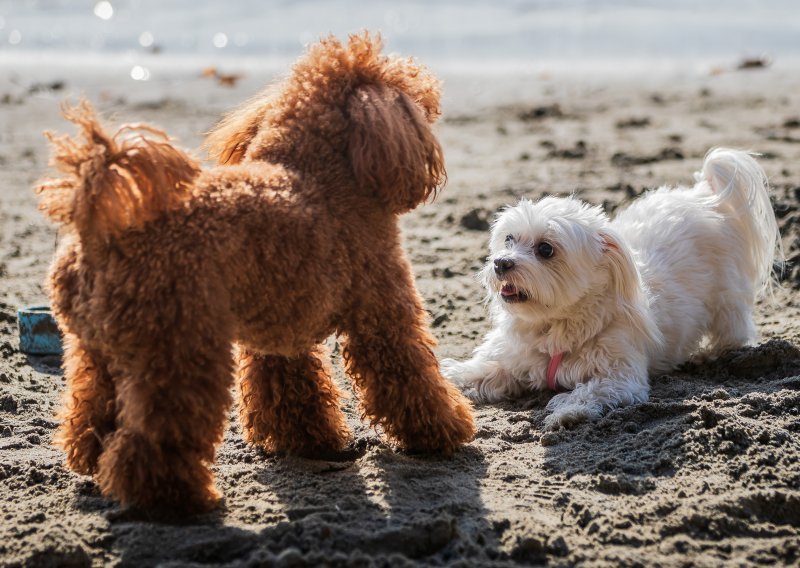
[(373, 505), (368, 504), (624, 482)]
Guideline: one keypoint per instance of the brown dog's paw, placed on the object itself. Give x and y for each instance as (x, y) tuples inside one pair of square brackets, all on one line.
[(310, 448), (444, 425), (83, 448), (328, 435), (148, 476)]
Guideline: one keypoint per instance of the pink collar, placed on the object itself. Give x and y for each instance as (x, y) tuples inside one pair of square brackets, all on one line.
[(552, 369)]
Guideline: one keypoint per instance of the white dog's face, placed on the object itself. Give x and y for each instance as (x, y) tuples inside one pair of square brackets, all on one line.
[(546, 256)]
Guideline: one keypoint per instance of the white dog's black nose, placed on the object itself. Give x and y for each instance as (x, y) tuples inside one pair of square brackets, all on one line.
[(502, 265)]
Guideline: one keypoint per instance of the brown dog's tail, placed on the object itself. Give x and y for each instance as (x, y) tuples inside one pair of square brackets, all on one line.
[(112, 183)]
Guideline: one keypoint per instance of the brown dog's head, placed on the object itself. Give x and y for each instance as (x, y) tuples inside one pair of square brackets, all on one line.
[(353, 102)]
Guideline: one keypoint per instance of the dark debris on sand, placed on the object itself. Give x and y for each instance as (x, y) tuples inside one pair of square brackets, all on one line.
[(542, 111), (625, 160)]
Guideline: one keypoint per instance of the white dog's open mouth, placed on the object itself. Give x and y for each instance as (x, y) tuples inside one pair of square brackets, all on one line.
[(512, 294)]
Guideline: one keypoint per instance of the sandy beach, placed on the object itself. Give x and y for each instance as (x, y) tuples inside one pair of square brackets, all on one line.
[(707, 473)]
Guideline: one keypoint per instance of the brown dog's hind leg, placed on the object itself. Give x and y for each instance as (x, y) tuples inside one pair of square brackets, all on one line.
[(388, 353), (290, 405), (172, 403), (88, 415)]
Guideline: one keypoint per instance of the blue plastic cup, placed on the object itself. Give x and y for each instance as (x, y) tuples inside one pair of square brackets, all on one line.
[(38, 331)]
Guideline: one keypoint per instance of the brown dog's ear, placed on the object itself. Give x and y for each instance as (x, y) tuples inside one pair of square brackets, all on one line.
[(228, 141), (623, 269), (392, 148)]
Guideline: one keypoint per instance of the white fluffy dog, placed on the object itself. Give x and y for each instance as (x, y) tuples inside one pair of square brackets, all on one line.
[(591, 306)]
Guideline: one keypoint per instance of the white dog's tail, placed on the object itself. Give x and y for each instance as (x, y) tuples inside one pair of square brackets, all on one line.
[(743, 192)]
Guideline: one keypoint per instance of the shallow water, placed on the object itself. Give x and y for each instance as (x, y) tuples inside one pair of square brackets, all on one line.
[(504, 33)]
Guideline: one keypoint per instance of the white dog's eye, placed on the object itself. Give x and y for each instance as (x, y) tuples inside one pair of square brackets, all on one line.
[(510, 240), (545, 249)]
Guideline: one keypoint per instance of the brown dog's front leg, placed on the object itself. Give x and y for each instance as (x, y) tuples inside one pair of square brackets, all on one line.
[(290, 405), (388, 353)]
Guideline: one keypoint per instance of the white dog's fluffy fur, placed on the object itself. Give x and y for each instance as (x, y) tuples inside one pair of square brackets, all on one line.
[(674, 275)]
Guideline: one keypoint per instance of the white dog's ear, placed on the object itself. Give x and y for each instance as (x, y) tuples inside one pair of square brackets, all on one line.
[(621, 266)]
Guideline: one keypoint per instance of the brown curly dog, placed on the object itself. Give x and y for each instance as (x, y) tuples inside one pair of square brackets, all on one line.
[(294, 237)]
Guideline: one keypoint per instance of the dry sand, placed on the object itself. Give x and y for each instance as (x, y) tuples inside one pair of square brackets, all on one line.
[(706, 473)]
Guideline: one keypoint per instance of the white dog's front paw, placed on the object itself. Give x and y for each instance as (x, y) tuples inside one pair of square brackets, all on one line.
[(566, 418), (480, 382), (453, 371), (567, 412), (474, 395), (462, 375)]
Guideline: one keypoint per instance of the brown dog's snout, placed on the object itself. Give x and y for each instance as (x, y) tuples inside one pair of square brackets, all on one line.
[(502, 265)]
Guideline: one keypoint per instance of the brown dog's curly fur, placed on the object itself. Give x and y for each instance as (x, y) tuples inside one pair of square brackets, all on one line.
[(294, 237)]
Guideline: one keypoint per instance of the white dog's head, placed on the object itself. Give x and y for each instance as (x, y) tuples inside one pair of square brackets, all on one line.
[(547, 257)]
